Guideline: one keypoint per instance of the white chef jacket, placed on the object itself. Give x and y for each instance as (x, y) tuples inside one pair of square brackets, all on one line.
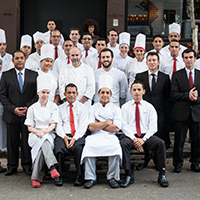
[(80, 113), (167, 52), (115, 49), (103, 143), (79, 45), (52, 78), (36, 57), (7, 59), (41, 117), (161, 53), (121, 62), (59, 63), (168, 63), (47, 38), (148, 119), (82, 77), (119, 85), (197, 64)]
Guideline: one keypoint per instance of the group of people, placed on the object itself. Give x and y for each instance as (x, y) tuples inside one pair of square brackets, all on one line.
[(69, 98)]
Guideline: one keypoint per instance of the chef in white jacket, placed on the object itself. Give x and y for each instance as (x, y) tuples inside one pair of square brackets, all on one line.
[(41, 120), (104, 122)]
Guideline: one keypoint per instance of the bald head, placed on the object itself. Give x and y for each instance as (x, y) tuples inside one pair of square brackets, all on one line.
[(75, 55)]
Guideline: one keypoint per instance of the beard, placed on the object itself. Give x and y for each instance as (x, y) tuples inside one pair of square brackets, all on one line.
[(108, 65)]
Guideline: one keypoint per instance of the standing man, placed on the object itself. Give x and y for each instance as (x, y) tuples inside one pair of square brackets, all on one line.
[(18, 90), (81, 75), (65, 58), (185, 90), (51, 25), (139, 126), (4, 56), (119, 85), (74, 35), (112, 42)]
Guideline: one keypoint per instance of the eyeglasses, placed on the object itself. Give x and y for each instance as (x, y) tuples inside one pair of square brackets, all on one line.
[(87, 38), (55, 36)]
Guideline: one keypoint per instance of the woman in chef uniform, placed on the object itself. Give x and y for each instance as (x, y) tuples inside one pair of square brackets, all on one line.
[(41, 120), (138, 64)]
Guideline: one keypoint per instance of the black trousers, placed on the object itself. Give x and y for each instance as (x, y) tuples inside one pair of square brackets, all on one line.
[(17, 134), (61, 150), (181, 128), (153, 143)]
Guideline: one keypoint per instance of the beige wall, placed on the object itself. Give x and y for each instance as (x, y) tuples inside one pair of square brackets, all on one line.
[(10, 22)]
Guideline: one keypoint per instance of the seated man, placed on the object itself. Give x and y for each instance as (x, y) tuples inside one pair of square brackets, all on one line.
[(104, 122), (72, 125), (139, 126)]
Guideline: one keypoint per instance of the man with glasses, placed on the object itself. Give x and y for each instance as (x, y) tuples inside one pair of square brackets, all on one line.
[(74, 35)]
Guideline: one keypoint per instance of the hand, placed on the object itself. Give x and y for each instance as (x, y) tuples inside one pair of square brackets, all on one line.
[(71, 144), (110, 121), (193, 94), (45, 130), (40, 134), (138, 142), (66, 140), (19, 111)]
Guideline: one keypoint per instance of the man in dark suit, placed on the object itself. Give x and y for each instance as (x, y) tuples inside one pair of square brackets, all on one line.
[(18, 90), (185, 90), (157, 85)]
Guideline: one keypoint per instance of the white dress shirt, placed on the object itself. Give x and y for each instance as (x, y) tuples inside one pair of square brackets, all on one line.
[(7, 59), (148, 119), (151, 77), (22, 74), (115, 49), (80, 113), (89, 59), (47, 38), (188, 73), (161, 53), (167, 52)]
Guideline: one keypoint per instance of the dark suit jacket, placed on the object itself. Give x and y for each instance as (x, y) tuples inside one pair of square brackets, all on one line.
[(180, 89), (11, 96), (159, 95)]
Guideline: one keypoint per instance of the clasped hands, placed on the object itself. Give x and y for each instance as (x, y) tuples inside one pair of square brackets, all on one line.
[(20, 111), (69, 141), (193, 94), (42, 132), (138, 142)]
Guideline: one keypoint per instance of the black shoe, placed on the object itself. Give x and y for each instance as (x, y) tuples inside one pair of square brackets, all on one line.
[(195, 167), (58, 181), (10, 172), (2, 169), (141, 166), (89, 184), (79, 181), (113, 183), (177, 168), (127, 181), (100, 167), (27, 171), (162, 180)]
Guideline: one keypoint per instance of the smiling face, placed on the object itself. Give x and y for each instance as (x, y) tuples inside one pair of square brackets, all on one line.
[(91, 29), (38, 44), (158, 43), (46, 64), (124, 48), (104, 95), (43, 95), (55, 37), (106, 59), (101, 44), (87, 41), (74, 36), (152, 63), (137, 92), (113, 37), (75, 56), (139, 54), (67, 46), (19, 60), (71, 94)]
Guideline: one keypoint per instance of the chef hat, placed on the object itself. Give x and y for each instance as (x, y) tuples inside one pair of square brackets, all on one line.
[(47, 51), (26, 40), (140, 41), (105, 80), (43, 82), (175, 28), (124, 38), (2, 36), (38, 36)]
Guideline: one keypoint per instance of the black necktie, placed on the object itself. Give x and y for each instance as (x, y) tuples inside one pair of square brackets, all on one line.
[(153, 83)]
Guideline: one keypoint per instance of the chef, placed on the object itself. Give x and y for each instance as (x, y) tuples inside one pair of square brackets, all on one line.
[(5, 57), (39, 40), (41, 119), (138, 64), (47, 57), (104, 122), (124, 44)]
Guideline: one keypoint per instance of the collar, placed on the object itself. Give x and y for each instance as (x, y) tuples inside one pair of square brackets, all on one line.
[(23, 71), (188, 71), (133, 102), (156, 73)]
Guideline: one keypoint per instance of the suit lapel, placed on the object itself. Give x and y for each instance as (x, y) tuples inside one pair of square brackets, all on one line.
[(15, 80), (196, 77), (157, 82), (185, 78), (25, 80), (147, 81)]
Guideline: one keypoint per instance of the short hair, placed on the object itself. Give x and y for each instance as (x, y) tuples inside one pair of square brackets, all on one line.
[(108, 88), (112, 29), (136, 82), (13, 55), (188, 51), (158, 36), (54, 31), (71, 85), (101, 39), (74, 29), (174, 40), (106, 49), (86, 33), (51, 20), (153, 54), (68, 39)]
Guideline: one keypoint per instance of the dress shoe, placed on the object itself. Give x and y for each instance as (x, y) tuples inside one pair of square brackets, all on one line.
[(58, 181), (89, 184), (2, 169), (79, 181), (35, 183), (27, 171), (113, 183), (54, 174), (177, 168), (141, 166), (10, 172), (162, 180), (127, 181), (195, 167)]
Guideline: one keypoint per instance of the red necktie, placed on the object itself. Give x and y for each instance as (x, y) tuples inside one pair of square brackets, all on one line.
[(99, 65), (190, 80), (56, 53), (68, 60), (50, 41), (86, 52), (72, 121), (174, 67), (137, 119)]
